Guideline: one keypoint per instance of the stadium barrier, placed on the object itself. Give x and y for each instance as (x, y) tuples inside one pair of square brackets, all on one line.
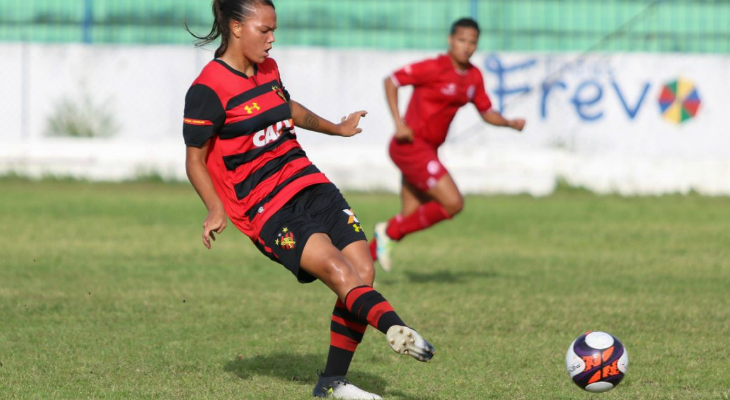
[(611, 122)]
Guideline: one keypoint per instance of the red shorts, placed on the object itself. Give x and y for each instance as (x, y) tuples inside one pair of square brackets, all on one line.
[(419, 163)]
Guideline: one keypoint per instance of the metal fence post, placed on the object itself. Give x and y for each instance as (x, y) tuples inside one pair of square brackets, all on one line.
[(88, 20), (474, 9), (24, 89)]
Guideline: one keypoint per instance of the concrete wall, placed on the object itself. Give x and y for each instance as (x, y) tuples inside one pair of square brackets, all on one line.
[(595, 120)]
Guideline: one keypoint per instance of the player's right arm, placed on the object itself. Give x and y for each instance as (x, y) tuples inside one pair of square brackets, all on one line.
[(195, 159), (403, 133), (204, 116), (414, 74)]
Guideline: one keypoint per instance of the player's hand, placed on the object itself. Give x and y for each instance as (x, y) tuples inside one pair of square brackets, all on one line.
[(348, 125), (517, 124), (403, 133), (214, 222)]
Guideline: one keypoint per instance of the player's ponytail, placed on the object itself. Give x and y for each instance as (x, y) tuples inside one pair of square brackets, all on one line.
[(223, 12)]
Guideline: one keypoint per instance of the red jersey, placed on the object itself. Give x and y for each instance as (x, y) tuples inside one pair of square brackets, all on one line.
[(439, 90), (254, 159)]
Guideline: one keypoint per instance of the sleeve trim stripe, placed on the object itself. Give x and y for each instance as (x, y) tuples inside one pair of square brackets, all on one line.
[(395, 81), (197, 122)]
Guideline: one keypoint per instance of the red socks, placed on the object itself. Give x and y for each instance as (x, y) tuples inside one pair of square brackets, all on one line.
[(425, 216)]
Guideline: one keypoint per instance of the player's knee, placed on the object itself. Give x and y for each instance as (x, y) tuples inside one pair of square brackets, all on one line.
[(454, 206), (339, 272), (366, 272)]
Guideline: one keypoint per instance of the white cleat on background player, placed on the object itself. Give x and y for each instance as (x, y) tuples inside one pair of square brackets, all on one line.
[(384, 246)]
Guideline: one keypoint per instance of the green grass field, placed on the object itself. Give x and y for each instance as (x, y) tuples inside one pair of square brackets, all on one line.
[(107, 293)]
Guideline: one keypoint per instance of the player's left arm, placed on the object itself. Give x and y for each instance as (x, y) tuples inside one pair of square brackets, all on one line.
[(490, 115), (305, 118), (493, 117)]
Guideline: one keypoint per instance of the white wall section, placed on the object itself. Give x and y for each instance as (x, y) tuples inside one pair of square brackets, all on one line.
[(603, 121)]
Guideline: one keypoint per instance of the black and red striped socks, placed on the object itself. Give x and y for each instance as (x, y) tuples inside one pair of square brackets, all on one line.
[(346, 333), (369, 306), (363, 305)]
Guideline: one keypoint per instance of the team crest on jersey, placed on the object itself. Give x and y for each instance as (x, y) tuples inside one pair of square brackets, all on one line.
[(352, 220), (470, 92), (279, 92)]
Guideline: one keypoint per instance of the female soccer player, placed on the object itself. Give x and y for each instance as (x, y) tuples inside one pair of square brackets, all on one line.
[(440, 87), (245, 162)]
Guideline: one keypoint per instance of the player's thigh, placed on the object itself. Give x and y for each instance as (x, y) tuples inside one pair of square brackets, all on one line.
[(446, 193), (359, 255), (323, 260), (412, 197)]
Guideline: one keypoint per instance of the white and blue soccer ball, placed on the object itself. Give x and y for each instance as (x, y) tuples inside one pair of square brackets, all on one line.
[(597, 361)]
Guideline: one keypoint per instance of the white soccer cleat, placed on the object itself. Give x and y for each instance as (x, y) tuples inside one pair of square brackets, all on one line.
[(337, 387), (405, 340), (384, 245)]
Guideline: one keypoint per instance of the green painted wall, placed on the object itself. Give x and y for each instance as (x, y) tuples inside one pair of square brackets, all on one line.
[(508, 25)]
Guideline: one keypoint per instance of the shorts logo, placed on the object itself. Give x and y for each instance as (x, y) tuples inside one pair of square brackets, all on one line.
[(286, 239), (352, 220), (433, 167)]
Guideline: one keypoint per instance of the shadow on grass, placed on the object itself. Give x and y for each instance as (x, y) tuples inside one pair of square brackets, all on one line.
[(448, 276), (298, 368), (286, 367)]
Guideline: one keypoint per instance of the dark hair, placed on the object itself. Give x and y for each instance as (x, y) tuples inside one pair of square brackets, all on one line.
[(223, 12), (464, 23)]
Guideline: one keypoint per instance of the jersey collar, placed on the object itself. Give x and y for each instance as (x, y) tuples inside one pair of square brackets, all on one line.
[(235, 71)]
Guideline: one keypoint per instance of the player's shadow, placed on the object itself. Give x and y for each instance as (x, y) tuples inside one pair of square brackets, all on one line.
[(297, 368), (293, 368), (283, 366), (447, 276)]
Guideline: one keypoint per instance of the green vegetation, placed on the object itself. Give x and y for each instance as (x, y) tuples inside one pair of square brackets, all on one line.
[(81, 118), (106, 292)]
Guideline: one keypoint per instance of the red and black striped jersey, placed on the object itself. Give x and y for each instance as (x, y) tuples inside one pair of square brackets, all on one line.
[(254, 159)]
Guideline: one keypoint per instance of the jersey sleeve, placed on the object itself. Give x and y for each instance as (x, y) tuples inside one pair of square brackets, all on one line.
[(415, 74), (281, 84), (204, 115), (481, 99)]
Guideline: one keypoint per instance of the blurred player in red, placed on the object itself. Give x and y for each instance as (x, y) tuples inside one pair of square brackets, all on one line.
[(441, 86), (244, 160)]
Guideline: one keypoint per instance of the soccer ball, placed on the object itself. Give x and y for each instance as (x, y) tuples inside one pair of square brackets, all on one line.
[(596, 361)]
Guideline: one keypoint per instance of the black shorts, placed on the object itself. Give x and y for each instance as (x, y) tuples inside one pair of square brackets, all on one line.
[(316, 209)]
